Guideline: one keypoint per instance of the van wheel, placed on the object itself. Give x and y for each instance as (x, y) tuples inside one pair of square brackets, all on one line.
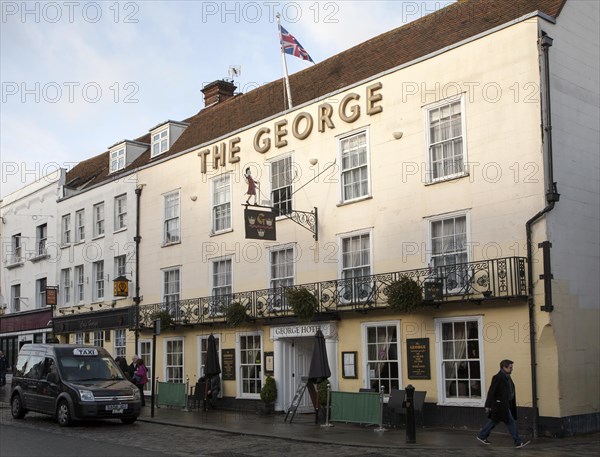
[(63, 414), (129, 420), (16, 407)]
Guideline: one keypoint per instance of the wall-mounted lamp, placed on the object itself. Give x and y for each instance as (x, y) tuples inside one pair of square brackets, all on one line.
[(313, 161), (397, 135)]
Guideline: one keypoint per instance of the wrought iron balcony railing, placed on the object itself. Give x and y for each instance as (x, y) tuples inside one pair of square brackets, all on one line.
[(486, 279)]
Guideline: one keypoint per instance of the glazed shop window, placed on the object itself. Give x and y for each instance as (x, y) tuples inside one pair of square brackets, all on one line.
[(250, 365), (174, 353), (460, 348), (382, 352)]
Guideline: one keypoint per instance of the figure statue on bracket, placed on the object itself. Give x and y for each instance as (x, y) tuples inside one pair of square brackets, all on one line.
[(252, 184)]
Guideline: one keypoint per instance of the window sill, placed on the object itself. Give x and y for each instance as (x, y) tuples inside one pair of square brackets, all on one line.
[(447, 178), (79, 242), (65, 245), (124, 229), (171, 243), (221, 232), (470, 403), (38, 258), (17, 264), (356, 200), (97, 237)]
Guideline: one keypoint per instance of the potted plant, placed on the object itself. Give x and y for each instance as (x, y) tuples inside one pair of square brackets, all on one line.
[(404, 295), (236, 314), (268, 394), (303, 303), (166, 320)]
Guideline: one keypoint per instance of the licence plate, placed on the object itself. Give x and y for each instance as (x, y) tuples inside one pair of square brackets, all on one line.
[(116, 409)]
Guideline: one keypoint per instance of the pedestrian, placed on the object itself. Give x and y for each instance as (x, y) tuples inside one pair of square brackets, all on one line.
[(133, 365), (3, 369), (501, 405), (140, 378), (122, 362)]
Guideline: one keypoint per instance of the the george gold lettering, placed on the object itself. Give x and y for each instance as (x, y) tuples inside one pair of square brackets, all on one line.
[(296, 123), (234, 149), (354, 110), (265, 145), (219, 152), (203, 155), (280, 133), (325, 113), (373, 98)]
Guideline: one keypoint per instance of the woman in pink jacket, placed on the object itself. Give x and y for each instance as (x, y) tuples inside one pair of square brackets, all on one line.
[(140, 378)]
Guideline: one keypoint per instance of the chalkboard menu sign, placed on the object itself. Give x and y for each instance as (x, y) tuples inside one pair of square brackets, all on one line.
[(418, 358), (228, 364)]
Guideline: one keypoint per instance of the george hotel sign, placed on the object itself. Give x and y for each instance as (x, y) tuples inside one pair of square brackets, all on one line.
[(298, 331), (260, 225)]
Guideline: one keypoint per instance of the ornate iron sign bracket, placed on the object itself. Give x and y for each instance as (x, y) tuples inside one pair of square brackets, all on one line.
[(309, 221)]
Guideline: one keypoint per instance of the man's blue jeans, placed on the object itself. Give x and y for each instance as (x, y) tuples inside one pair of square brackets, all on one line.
[(512, 428)]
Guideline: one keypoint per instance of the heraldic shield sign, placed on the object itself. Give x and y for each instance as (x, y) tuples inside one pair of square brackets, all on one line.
[(260, 224)]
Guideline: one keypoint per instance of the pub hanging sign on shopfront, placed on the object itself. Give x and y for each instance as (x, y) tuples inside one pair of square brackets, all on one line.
[(260, 224), (51, 296)]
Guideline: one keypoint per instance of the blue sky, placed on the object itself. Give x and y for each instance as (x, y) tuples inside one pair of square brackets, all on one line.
[(79, 76)]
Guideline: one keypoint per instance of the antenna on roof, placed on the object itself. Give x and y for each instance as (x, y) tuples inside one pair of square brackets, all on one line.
[(235, 71)]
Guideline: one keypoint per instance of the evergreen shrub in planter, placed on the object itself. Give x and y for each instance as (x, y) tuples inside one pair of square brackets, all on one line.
[(166, 320), (404, 295), (303, 303), (268, 394), (236, 314)]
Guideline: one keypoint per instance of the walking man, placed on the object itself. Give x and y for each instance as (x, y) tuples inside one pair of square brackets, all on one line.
[(3, 369), (501, 405)]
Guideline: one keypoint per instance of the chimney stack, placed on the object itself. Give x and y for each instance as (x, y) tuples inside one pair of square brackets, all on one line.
[(217, 92)]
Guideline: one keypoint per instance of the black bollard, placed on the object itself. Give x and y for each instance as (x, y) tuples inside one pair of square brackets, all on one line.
[(410, 414)]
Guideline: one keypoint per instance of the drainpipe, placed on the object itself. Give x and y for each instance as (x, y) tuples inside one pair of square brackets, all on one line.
[(552, 196), (137, 239)]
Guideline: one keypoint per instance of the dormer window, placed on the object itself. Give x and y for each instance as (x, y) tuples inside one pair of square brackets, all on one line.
[(117, 160), (160, 142)]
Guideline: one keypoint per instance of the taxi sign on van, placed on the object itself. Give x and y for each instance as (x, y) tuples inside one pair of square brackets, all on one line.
[(85, 352)]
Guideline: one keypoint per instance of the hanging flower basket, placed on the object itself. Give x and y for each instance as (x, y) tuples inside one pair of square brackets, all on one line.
[(404, 295), (166, 320), (303, 303), (236, 314)]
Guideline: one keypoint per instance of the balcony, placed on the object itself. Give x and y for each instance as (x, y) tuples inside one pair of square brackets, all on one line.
[(503, 278)]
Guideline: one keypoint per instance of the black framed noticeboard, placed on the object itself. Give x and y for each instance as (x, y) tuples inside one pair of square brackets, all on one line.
[(228, 364), (418, 361)]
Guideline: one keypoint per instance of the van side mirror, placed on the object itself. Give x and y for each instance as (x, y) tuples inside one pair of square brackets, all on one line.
[(52, 377)]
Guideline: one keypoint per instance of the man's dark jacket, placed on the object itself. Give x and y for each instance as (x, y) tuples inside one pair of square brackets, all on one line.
[(498, 398)]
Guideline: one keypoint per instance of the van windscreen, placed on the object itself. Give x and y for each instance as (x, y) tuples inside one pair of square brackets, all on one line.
[(83, 368)]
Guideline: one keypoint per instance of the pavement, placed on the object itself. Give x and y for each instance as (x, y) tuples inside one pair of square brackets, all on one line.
[(304, 429)]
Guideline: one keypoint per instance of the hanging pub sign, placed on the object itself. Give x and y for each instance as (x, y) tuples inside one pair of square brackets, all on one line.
[(51, 296), (260, 225), (121, 287)]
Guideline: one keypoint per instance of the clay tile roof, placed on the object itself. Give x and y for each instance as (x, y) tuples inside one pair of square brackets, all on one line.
[(452, 24)]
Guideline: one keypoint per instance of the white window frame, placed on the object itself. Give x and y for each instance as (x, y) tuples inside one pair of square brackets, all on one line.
[(341, 269), (65, 282), (239, 366), (117, 159), (277, 203), (429, 252), (98, 336), (98, 215), (462, 401), (220, 300), (120, 345), (160, 142), (366, 381), (80, 225), (170, 367), (98, 272), (173, 235), (120, 265), (79, 279), (281, 280), (171, 290), (428, 152), (41, 239), (15, 298), (221, 201), (66, 229), (17, 248), (40, 292), (79, 338), (120, 212), (367, 165)]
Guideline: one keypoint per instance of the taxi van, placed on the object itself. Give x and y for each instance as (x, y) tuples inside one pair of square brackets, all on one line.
[(72, 382)]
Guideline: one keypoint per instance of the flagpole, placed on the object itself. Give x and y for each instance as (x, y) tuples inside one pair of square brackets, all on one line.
[(285, 69)]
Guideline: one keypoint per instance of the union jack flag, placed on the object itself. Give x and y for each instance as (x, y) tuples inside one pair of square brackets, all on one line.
[(291, 45)]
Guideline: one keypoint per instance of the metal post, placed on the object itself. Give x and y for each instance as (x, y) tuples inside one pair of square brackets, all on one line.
[(410, 414), (153, 392), (328, 407), (381, 429), (187, 389)]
